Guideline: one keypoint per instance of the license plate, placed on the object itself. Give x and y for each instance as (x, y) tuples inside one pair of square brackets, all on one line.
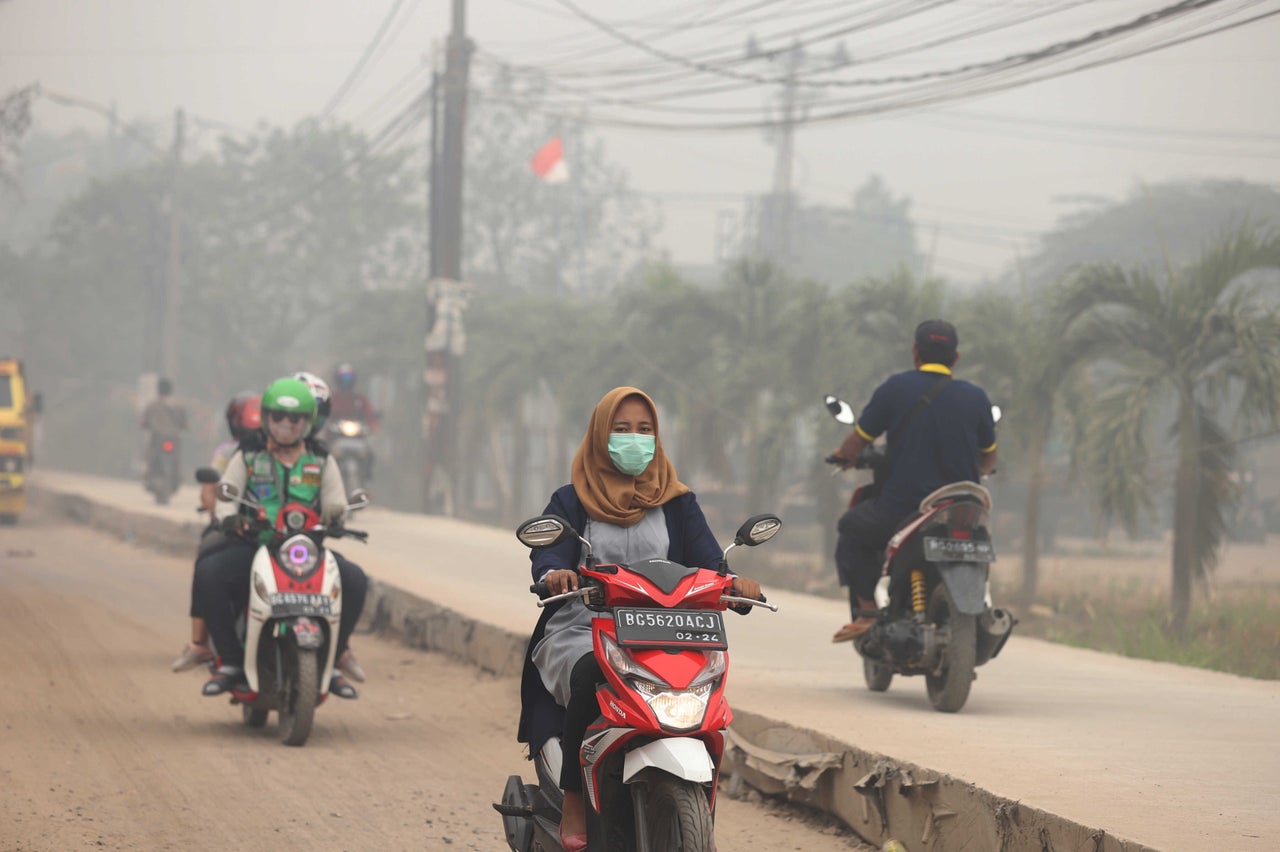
[(670, 628), (300, 603), (958, 550)]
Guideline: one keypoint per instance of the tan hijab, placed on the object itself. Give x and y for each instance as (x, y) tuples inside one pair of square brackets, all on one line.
[(608, 494)]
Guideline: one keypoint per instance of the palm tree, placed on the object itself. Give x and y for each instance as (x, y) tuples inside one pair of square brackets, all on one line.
[(1015, 353), (1198, 344)]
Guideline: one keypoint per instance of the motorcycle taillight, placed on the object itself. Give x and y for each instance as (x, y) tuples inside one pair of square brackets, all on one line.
[(167, 446)]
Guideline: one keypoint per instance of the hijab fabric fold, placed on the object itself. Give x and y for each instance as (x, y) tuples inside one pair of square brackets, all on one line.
[(609, 495)]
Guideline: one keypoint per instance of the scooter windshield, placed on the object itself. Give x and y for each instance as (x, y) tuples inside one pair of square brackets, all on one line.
[(663, 573)]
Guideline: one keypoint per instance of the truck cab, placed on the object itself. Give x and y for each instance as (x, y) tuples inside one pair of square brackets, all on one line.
[(17, 410)]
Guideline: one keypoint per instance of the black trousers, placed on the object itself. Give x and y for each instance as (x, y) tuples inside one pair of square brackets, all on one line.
[(220, 592), (864, 531), (582, 711)]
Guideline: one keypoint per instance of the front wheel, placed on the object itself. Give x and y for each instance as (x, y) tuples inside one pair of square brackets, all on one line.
[(299, 691), (679, 817), (949, 689)]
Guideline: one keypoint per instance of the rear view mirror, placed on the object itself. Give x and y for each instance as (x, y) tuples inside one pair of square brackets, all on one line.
[(840, 410), (358, 499), (757, 530), (543, 531), (207, 475)]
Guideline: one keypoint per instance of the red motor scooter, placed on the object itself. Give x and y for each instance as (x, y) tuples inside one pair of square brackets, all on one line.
[(651, 760)]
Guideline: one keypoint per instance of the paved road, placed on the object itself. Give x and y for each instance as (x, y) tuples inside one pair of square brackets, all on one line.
[(101, 746), (1172, 757)]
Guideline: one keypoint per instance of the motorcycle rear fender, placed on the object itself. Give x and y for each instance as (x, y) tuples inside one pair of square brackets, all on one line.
[(683, 757), (967, 583)]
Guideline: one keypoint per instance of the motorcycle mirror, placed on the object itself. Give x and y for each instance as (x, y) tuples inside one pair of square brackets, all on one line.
[(544, 531), (227, 492), (358, 499), (996, 413), (207, 475), (757, 530), (840, 410)]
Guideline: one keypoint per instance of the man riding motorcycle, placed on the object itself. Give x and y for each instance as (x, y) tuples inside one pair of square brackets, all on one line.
[(164, 421), (276, 466), (939, 430)]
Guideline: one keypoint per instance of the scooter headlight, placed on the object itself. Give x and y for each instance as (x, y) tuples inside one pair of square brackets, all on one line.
[(299, 555), (675, 709)]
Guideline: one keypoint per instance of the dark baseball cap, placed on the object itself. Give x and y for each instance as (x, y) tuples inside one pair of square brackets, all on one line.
[(936, 338)]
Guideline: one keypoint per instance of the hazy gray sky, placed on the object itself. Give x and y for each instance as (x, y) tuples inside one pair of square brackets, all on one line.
[(986, 175)]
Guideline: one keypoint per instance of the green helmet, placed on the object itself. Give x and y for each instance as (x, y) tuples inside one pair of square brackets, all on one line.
[(289, 396)]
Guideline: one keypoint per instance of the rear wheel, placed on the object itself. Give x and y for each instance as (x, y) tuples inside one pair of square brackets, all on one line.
[(878, 675), (949, 689), (679, 816), (299, 691)]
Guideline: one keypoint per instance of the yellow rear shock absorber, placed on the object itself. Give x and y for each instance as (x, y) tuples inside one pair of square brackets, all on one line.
[(917, 591)]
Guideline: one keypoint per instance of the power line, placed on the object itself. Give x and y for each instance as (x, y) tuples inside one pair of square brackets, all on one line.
[(998, 76), (362, 61)]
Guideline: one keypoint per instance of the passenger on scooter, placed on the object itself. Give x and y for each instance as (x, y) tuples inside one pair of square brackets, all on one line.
[(625, 499), (277, 460), (244, 415), (939, 430), (346, 662)]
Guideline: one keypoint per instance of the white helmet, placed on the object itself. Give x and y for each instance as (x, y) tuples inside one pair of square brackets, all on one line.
[(320, 390)]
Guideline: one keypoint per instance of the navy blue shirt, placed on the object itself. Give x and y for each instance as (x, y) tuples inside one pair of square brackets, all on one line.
[(940, 445)]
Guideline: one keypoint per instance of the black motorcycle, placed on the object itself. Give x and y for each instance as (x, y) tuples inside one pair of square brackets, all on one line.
[(933, 604)]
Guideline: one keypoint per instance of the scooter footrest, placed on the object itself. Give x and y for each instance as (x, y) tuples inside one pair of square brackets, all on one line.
[(513, 810)]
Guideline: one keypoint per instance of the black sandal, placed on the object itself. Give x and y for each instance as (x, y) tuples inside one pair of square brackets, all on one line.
[(224, 679), (341, 687)]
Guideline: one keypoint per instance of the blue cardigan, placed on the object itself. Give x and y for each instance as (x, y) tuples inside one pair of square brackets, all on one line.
[(691, 543)]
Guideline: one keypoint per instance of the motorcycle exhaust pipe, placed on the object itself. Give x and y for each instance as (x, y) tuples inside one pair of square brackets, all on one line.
[(994, 627)]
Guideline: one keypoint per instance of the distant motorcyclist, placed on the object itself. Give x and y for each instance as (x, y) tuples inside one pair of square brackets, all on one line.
[(163, 419), (244, 417), (940, 430), (347, 402), (273, 467)]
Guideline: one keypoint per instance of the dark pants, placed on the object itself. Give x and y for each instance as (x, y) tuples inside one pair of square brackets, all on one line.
[(220, 592), (864, 531), (582, 711)]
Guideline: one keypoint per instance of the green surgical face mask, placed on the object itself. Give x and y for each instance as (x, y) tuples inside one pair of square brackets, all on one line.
[(631, 452)]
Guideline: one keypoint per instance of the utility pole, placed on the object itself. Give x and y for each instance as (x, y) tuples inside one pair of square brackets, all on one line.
[(446, 294), (774, 226), (173, 260)]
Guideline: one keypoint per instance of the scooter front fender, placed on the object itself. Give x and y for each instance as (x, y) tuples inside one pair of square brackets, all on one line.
[(683, 757)]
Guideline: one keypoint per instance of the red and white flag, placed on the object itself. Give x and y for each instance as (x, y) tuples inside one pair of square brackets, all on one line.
[(549, 163)]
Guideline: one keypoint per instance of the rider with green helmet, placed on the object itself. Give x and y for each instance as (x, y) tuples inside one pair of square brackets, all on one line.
[(278, 468)]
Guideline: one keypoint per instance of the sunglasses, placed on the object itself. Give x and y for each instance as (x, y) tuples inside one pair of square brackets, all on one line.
[(291, 416)]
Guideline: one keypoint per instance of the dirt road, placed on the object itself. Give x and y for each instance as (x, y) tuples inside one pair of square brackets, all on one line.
[(103, 747)]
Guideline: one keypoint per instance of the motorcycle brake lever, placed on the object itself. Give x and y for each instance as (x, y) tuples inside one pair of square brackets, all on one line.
[(751, 601), (581, 592)]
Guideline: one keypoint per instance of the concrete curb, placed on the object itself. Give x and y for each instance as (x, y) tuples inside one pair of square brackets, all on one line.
[(877, 797)]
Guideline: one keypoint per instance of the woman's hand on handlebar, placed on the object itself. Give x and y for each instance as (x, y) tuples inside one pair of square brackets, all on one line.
[(560, 581), (744, 587), (838, 461)]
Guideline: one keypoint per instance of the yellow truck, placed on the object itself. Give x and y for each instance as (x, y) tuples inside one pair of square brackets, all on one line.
[(18, 409)]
